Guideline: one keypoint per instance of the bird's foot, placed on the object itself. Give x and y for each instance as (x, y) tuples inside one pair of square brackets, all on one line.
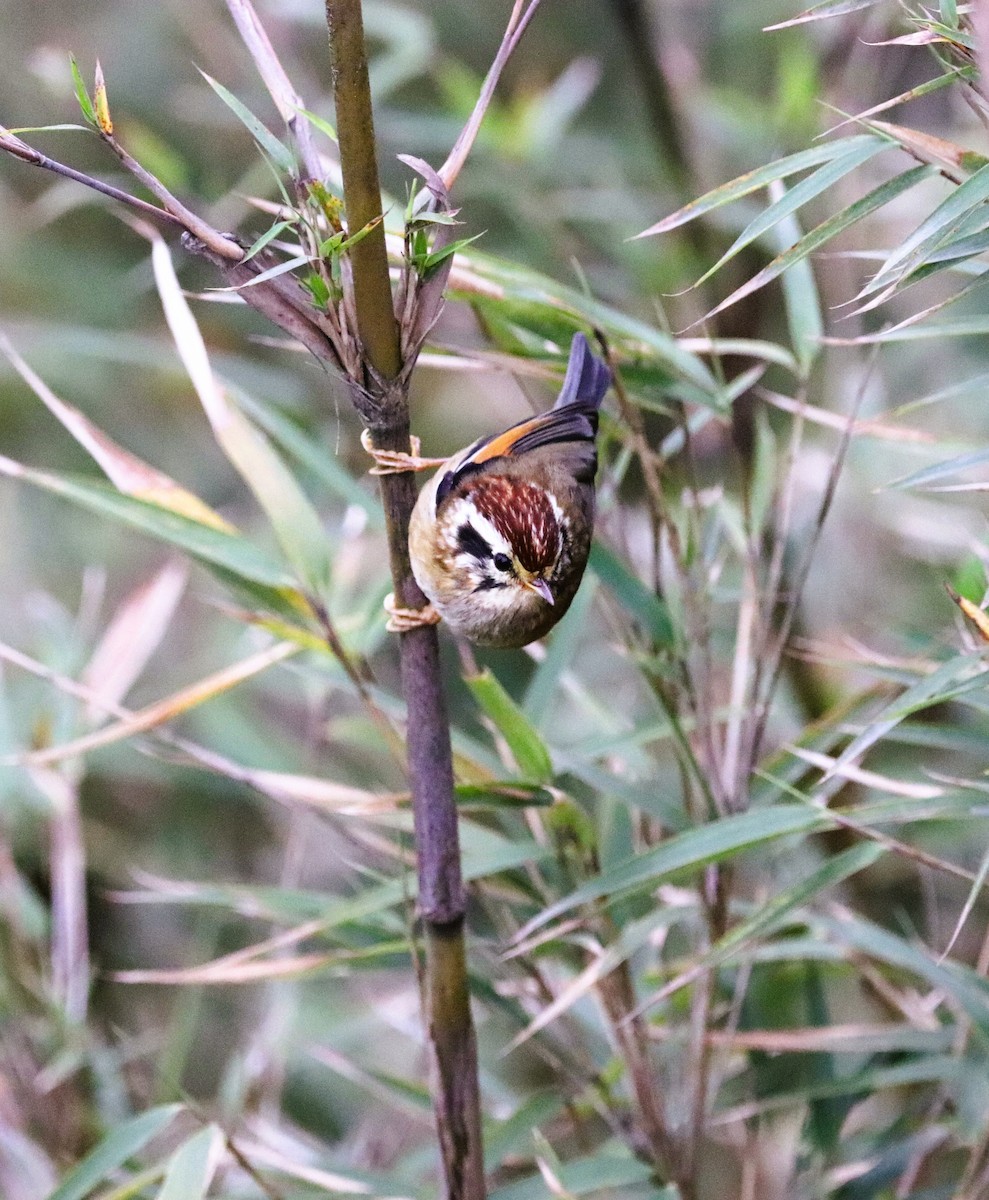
[(394, 462), (404, 620)]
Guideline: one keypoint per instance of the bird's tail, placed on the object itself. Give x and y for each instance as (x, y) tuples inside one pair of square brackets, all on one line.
[(587, 378)]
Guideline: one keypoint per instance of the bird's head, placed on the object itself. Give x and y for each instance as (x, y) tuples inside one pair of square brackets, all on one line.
[(505, 537)]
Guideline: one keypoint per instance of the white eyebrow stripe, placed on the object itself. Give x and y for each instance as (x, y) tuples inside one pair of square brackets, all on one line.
[(462, 512)]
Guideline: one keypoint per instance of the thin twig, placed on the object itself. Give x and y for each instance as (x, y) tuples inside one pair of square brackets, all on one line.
[(350, 669), (19, 149), (517, 24), (698, 1070), (700, 687), (648, 462), (616, 993), (733, 771), (287, 100), (774, 652), (223, 246), (67, 862), (777, 563)]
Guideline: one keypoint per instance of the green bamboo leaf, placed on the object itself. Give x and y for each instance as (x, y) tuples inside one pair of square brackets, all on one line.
[(113, 1151), (932, 1068), (632, 936), (958, 254), (316, 456), (768, 352), (969, 579), (961, 674), (928, 148), (597, 1173), (511, 794), (282, 268), (82, 92), (691, 850), (729, 836), (435, 257), (527, 747), (294, 520), (296, 524), (824, 10), (968, 989), (541, 304), (974, 892), (317, 122), (752, 181), (192, 1166), (639, 601), (89, 342), (512, 1136), (940, 471), (59, 128), (561, 655), (269, 236), (283, 611), (957, 248), (942, 221), (954, 75), (960, 327), (914, 274), (801, 300), (973, 387), (784, 907), (650, 796), (933, 32), (764, 476), (858, 151), (413, 1094), (213, 547), (876, 199), (938, 737), (340, 243), (279, 152)]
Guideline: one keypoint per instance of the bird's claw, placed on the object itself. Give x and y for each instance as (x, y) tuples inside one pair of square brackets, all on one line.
[(404, 620), (394, 462)]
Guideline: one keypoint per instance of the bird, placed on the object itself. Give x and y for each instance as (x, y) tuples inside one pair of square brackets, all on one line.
[(500, 536)]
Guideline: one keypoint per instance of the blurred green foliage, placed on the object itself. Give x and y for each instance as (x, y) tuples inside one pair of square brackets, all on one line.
[(578, 768)]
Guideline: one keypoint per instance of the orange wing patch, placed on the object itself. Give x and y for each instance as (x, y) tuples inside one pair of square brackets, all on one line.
[(501, 445)]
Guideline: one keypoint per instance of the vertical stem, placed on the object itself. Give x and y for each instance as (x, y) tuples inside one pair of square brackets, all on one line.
[(361, 190), (70, 934), (617, 995), (442, 902)]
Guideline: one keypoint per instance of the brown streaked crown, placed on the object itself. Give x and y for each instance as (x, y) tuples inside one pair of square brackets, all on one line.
[(523, 515)]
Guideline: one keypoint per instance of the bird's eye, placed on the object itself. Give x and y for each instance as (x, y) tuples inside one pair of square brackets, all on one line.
[(502, 562)]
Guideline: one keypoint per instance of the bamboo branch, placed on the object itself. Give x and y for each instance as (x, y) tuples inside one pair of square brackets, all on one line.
[(518, 22), (17, 148), (287, 100)]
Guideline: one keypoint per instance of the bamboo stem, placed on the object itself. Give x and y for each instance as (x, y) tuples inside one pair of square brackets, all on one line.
[(382, 398), (362, 193)]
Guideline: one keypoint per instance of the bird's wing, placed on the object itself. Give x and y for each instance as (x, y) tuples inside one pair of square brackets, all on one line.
[(574, 418)]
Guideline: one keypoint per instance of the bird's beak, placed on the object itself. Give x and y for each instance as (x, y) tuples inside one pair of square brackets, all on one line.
[(541, 588)]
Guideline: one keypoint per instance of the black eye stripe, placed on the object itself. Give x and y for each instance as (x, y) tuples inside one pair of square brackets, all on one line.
[(471, 542)]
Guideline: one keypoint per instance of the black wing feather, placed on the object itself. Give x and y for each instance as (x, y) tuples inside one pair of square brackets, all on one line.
[(573, 418)]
